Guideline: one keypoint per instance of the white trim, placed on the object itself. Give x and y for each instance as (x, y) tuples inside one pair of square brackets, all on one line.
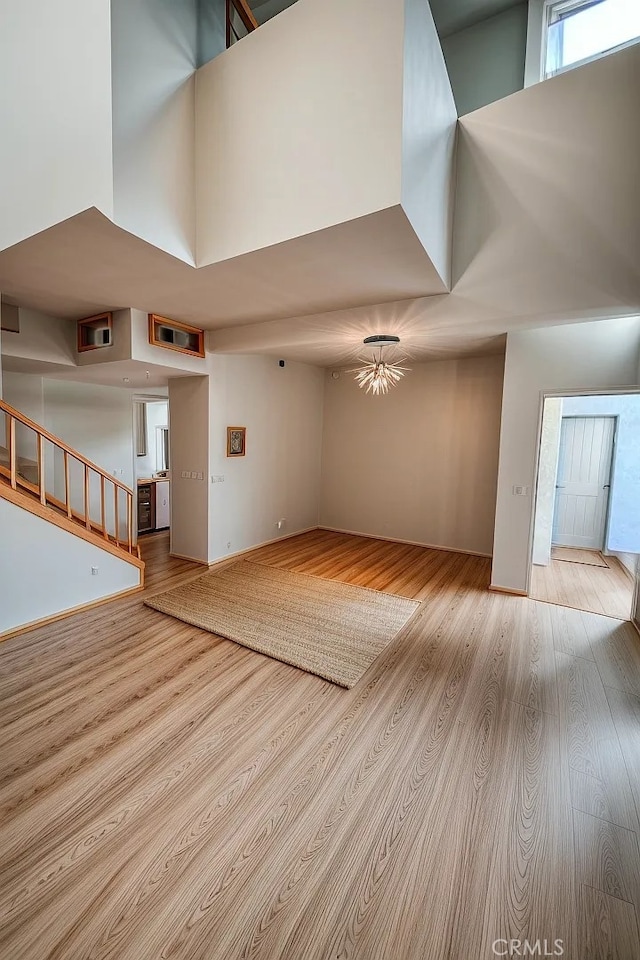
[(183, 556), (535, 50), (411, 543), (256, 546)]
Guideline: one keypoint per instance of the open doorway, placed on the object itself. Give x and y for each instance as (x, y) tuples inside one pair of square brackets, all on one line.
[(152, 467), (586, 536)]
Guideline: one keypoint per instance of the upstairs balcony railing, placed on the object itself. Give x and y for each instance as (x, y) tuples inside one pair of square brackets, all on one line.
[(245, 16), (240, 20)]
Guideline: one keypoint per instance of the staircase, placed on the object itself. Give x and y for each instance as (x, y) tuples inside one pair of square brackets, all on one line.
[(63, 487)]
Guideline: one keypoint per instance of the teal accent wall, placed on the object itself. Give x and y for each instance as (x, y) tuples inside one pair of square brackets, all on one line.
[(486, 61)]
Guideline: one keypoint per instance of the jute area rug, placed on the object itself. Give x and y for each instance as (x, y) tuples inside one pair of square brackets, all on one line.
[(328, 628)]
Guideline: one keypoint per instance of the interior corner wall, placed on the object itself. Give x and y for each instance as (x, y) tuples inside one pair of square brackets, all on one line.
[(279, 477), (316, 140), (573, 357), (189, 454), (56, 124), (486, 61), (154, 58), (420, 463), (428, 137)]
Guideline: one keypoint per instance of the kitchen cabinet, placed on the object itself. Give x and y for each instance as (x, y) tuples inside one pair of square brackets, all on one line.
[(146, 507), (162, 504), (154, 510)]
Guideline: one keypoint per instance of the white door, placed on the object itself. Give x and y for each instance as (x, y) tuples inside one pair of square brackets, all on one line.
[(582, 484)]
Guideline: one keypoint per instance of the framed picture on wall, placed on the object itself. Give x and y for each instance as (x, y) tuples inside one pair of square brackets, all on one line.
[(236, 441)]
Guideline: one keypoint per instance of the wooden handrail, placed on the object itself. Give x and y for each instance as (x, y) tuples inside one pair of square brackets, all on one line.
[(39, 489), (56, 441), (245, 13)]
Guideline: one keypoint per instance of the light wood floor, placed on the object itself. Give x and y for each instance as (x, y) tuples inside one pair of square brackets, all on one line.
[(605, 590), (164, 793)]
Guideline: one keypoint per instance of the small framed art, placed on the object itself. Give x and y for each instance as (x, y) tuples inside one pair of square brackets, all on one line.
[(236, 441)]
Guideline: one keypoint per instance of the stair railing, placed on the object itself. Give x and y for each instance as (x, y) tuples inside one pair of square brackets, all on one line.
[(239, 10), (115, 504)]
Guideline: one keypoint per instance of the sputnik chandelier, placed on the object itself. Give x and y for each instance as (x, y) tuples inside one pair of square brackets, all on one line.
[(377, 374)]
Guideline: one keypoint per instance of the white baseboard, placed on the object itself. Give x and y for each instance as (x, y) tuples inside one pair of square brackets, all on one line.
[(183, 556), (256, 546), (411, 543)]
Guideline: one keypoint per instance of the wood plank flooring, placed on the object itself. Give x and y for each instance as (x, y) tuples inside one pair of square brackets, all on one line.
[(605, 590), (165, 793)]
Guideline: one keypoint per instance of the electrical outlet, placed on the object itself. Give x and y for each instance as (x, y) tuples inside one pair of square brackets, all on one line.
[(94, 571), (519, 491), (228, 544)]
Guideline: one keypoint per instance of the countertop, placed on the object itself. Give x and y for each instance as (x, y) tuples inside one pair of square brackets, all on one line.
[(140, 481)]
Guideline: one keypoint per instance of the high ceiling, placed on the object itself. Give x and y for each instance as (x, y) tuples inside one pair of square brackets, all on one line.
[(546, 232)]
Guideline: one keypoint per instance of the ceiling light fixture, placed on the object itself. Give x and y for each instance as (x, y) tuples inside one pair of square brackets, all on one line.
[(378, 375)]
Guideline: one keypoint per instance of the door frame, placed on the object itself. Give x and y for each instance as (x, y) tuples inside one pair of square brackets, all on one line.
[(544, 394), (612, 466)]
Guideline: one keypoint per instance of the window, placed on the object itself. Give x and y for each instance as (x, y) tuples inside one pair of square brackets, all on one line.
[(563, 34), (176, 336), (162, 449), (581, 30)]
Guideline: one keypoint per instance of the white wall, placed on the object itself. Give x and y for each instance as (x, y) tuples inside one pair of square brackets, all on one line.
[(56, 124), (49, 339), (154, 56), (486, 61), (428, 136), (555, 359), (95, 420), (546, 225), (26, 394), (420, 463), (279, 477), (319, 93), (189, 440), (45, 570)]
